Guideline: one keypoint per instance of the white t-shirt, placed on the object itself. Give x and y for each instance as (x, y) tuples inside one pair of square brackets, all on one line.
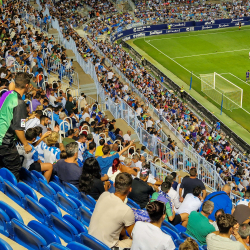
[(32, 123), (149, 124), (174, 198), (110, 75), (126, 137), (52, 100), (190, 203), (149, 237)]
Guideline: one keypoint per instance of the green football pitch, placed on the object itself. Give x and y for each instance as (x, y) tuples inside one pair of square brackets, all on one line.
[(224, 51)]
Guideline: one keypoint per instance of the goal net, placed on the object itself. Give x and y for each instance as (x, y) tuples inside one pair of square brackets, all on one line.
[(217, 87)]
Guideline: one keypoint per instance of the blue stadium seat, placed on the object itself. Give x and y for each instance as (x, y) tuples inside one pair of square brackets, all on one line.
[(56, 179), (46, 190), (62, 228), (132, 204), (26, 237), (78, 202), (56, 246), (91, 242), (29, 178), (4, 221), (169, 225), (170, 232), (38, 175), (11, 212), (50, 206), (14, 193), (36, 209), (77, 246), (70, 189), (48, 234), (56, 187), (76, 223), (67, 204), (178, 242), (7, 175), (1, 184), (180, 228), (4, 245), (85, 215), (27, 190), (88, 201)]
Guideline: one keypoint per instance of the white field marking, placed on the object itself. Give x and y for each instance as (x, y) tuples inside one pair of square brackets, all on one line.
[(182, 67), (213, 53), (203, 34), (235, 77)]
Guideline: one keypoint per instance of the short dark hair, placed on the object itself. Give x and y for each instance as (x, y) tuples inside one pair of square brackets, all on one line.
[(165, 186), (225, 222), (38, 130), (92, 145), (22, 79), (193, 172), (101, 142), (123, 182), (197, 191), (39, 113), (106, 149), (82, 135), (43, 117), (174, 174), (218, 211), (71, 132), (30, 134)]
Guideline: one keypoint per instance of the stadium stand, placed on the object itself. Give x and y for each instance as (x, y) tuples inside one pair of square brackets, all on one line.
[(71, 153)]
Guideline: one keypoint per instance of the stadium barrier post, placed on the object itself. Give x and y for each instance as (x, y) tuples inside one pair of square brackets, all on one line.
[(191, 79)]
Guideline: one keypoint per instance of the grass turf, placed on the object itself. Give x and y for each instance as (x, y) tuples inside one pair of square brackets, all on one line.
[(225, 51)]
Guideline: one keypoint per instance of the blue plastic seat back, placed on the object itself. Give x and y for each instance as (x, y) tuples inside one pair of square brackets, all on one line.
[(38, 175), (27, 190), (26, 237), (70, 189), (46, 190), (62, 228), (77, 246), (50, 206), (178, 242), (1, 184), (14, 193), (67, 204), (56, 179), (56, 246), (88, 201), (56, 187), (48, 234), (29, 178), (4, 220), (170, 232), (7, 175), (169, 225), (85, 215), (76, 223), (11, 212), (4, 245), (78, 202), (91, 242), (36, 209), (132, 204)]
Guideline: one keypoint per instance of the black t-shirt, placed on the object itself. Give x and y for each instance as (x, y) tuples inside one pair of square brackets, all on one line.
[(111, 127), (68, 172), (97, 189), (140, 192), (189, 184)]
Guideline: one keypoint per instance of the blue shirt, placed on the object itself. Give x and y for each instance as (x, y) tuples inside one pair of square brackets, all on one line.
[(221, 200), (106, 163), (86, 155)]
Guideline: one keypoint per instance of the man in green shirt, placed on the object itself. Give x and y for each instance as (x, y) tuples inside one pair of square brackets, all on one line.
[(198, 224)]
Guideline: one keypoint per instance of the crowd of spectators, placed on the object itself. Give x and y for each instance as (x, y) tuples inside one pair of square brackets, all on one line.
[(92, 162)]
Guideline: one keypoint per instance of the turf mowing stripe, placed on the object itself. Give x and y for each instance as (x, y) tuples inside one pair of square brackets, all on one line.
[(208, 33), (181, 66), (212, 53), (235, 77)]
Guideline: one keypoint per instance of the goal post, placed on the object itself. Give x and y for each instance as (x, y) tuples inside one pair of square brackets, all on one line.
[(214, 85)]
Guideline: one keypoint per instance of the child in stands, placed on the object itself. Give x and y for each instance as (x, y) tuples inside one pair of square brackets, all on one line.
[(31, 160)]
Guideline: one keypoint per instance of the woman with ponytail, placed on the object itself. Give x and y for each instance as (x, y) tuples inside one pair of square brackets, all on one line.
[(148, 235)]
